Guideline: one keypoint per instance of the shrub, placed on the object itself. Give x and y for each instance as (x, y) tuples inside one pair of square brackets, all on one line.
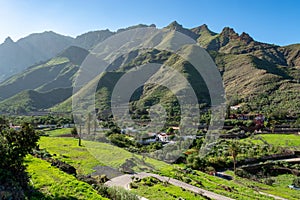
[(14, 146), (118, 193), (296, 182), (133, 185), (269, 181), (74, 132), (242, 173)]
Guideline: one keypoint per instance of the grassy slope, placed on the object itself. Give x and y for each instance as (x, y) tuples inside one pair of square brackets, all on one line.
[(279, 188), (289, 140), (92, 154), (29, 100), (33, 77), (282, 140), (43, 85), (58, 132), (217, 185), (67, 150), (55, 184), (164, 191)]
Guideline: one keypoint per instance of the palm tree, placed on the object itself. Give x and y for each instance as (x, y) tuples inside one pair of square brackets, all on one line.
[(234, 149)]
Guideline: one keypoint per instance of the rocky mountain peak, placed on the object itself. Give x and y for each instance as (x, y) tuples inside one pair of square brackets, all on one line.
[(178, 27), (229, 32), (246, 37), (8, 40), (203, 29), (174, 26)]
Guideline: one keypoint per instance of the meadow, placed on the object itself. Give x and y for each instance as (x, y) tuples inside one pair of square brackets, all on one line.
[(91, 154), (154, 189), (51, 183), (280, 140)]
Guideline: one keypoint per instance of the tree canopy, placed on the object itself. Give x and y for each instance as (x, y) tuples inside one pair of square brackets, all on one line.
[(14, 146)]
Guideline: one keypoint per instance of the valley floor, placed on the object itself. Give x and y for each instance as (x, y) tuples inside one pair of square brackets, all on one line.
[(48, 180)]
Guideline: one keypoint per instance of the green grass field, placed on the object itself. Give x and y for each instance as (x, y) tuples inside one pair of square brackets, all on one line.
[(279, 188), (282, 140), (239, 188), (58, 132), (67, 150), (164, 191), (227, 188), (91, 154), (55, 184)]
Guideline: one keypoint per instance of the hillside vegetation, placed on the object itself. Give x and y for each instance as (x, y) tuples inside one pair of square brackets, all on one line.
[(260, 77)]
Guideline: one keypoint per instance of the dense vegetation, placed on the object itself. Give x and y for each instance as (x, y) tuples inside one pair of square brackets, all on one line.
[(47, 180), (14, 146)]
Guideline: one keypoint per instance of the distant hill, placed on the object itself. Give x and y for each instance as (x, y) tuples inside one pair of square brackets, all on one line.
[(39, 47), (33, 49), (260, 77), (90, 39), (31, 100), (42, 86)]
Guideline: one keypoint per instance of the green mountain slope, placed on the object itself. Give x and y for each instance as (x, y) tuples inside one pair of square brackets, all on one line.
[(30, 100), (32, 49), (42, 86), (55, 73), (261, 77)]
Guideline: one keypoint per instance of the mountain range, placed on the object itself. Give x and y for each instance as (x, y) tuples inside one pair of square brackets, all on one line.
[(38, 71), (39, 47)]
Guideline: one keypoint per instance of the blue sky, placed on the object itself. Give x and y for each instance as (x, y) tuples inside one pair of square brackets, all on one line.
[(271, 21)]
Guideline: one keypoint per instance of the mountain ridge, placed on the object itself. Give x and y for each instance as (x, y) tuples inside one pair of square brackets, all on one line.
[(252, 71)]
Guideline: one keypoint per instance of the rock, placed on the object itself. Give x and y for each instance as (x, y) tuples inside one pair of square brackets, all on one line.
[(228, 32), (246, 38)]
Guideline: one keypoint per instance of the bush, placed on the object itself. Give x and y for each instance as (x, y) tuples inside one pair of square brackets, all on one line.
[(74, 132), (269, 181), (133, 185), (296, 182), (210, 169), (41, 153), (118, 193), (120, 140), (242, 173), (14, 146)]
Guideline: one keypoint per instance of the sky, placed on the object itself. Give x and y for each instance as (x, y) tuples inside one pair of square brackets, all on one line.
[(271, 21)]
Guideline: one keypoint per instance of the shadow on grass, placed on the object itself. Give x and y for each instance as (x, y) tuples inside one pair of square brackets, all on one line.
[(34, 194)]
